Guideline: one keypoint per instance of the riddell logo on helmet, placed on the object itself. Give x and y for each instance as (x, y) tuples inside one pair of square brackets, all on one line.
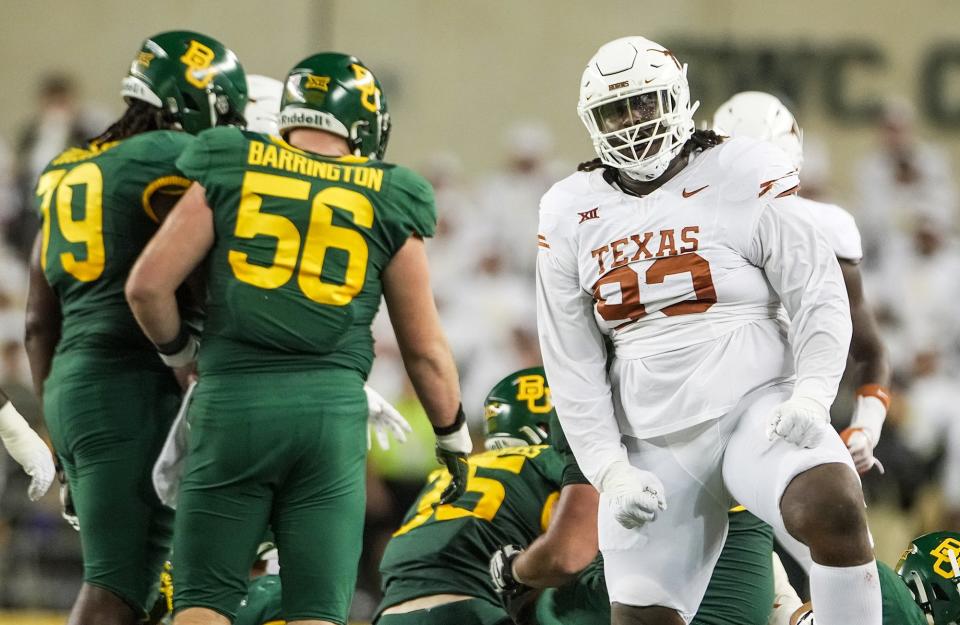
[(618, 85), (305, 118)]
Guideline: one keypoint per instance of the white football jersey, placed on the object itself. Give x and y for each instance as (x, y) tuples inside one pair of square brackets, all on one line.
[(686, 284), (837, 225)]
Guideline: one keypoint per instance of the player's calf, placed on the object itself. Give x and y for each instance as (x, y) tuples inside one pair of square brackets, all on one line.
[(99, 606)]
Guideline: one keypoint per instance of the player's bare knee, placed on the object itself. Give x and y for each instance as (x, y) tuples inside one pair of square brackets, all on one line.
[(824, 502), (622, 614)]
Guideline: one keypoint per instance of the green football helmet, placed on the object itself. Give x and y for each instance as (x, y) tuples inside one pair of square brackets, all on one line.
[(337, 93), (193, 79), (518, 410), (930, 567)]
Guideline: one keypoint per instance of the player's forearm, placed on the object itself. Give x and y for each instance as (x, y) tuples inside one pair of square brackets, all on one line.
[(155, 310), (43, 322), (545, 566), (433, 373), (569, 544), (40, 343)]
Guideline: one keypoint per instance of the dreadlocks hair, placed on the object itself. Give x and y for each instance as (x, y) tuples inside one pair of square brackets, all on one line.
[(699, 141), (139, 117)]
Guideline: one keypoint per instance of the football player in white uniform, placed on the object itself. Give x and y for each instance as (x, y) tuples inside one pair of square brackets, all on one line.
[(671, 249), (762, 116)]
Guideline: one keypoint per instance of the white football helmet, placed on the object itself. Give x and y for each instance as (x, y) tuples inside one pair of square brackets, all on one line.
[(635, 103), (263, 104), (759, 115)]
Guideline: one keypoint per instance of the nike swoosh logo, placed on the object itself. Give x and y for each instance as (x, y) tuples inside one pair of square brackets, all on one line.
[(647, 82), (686, 193)]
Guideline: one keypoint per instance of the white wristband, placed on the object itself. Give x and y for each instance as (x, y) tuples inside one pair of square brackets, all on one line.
[(186, 356), (869, 415), (458, 441)]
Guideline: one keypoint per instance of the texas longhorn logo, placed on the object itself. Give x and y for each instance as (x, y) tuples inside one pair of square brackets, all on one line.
[(198, 59), (532, 388)]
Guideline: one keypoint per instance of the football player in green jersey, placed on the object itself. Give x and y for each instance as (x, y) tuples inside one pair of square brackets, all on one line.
[(108, 400), (302, 234), (924, 590), (435, 567)]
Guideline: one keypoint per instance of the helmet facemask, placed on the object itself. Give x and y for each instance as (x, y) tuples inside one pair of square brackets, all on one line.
[(635, 103), (640, 133)]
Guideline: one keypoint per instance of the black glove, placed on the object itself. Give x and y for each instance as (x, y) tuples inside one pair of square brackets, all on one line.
[(518, 600), (453, 447), (67, 511)]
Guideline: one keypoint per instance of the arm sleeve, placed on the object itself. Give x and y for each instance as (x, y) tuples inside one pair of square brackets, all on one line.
[(574, 356), (803, 270)]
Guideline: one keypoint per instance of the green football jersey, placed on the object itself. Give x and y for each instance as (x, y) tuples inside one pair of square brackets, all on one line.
[(294, 276), (261, 606), (446, 548), (899, 607), (97, 216)]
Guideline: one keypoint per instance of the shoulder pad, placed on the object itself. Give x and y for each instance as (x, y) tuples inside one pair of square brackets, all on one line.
[(754, 169)]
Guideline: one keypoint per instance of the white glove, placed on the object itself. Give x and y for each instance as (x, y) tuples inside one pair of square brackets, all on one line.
[(864, 432), (636, 495), (384, 418), (799, 420), (28, 449)]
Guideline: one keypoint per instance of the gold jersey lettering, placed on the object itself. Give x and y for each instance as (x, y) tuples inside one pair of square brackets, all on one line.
[(255, 155), (198, 59), (269, 156)]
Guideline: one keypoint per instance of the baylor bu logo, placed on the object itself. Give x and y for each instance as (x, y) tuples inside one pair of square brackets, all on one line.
[(947, 553), (198, 58), (533, 389), (369, 94)]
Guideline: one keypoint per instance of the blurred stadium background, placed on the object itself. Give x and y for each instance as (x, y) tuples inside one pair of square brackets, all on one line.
[(483, 98)]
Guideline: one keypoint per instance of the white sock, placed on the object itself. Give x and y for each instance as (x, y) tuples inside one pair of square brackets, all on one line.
[(847, 595)]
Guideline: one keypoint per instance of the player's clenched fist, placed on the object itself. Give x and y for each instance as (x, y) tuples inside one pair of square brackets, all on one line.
[(636, 495), (799, 420)]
